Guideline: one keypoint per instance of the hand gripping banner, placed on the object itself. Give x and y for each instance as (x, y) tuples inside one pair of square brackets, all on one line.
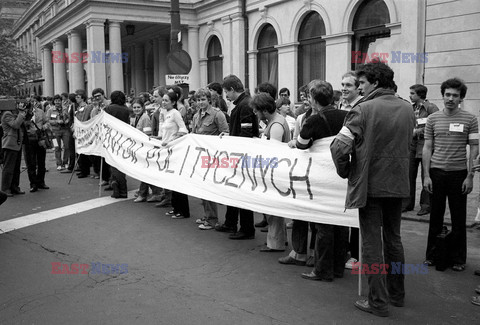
[(253, 174)]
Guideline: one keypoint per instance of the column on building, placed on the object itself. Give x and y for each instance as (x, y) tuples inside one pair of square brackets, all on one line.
[(147, 47), (47, 71), (116, 64), (163, 49), (96, 72), (227, 45), (139, 68), (156, 62), (59, 72), (76, 74), (287, 59), (238, 55), (193, 51), (338, 49), (203, 67), (131, 63), (252, 68)]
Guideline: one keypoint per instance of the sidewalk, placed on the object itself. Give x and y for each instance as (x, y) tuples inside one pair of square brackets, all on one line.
[(472, 204)]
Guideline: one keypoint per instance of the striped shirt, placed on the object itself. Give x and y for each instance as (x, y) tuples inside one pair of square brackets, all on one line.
[(450, 136)]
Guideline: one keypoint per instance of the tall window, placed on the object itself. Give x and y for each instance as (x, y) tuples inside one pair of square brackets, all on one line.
[(368, 26), (267, 57), (311, 51), (215, 61)]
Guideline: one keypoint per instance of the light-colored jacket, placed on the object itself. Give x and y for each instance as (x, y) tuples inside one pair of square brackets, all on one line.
[(12, 131)]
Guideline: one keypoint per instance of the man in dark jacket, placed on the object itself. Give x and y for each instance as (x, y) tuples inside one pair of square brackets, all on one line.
[(243, 123), (118, 110), (372, 150)]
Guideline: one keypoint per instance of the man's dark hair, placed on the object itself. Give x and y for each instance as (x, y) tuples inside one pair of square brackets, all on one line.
[(98, 91), (57, 96), (454, 83), (216, 86), (233, 82), (263, 102), (266, 87), (82, 93), (64, 95), (284, 90), (377, 71), (118, 97), (321, 91), (420, 90), (71, 97)]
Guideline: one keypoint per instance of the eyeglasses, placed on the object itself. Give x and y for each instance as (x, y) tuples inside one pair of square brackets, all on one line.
[(97, 96)]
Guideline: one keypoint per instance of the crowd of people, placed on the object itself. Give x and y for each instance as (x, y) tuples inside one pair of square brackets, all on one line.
[(380, 141)]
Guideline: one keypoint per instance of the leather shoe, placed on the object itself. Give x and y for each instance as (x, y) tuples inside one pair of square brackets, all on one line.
[(270, 250), (315, 277), (241, 235), (33, 189), (364, 306), (290, 260), (406, 210), (8, 193), (82, 176), (225, 228), (43, 187), (108, 188), (18, 191), (423, 212), (119, 196)]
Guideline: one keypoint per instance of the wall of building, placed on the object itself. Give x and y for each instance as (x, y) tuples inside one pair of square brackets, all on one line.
[(453, 44)]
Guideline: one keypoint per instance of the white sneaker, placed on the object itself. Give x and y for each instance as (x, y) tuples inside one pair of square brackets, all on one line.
[(59, 168), (206, 226), (350, 262)]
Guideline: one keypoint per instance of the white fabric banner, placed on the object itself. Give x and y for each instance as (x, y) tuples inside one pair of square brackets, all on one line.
[(253, 174)]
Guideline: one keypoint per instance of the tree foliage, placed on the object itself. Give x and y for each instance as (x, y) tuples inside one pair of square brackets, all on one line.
[(16, 65)]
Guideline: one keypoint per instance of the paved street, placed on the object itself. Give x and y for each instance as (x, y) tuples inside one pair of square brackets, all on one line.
[(178, 274)]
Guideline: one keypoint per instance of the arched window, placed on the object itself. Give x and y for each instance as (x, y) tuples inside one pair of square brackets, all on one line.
[(311, 50), (368, 26), (267, 57), (214, 60)]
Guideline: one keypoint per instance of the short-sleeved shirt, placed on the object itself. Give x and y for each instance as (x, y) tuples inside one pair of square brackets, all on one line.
[(450, 136), (210, 122), (172, 125)]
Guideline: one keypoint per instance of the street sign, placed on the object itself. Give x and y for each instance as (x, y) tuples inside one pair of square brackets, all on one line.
[(179, 62), (174, 79)]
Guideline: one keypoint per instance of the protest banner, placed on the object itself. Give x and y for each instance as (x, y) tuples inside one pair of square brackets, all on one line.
[(254, 174)]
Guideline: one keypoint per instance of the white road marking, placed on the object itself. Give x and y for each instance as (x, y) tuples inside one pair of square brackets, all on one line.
[(44, 216)]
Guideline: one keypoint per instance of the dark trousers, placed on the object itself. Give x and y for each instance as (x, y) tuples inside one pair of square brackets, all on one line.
[(84, 164), (11, 169), (71, 144), (353, 246), (409, 203), (96, 162), (180, 204), (382, 214), (35, 159), (246, 220), (330, 250), (119, 177), (448, 184), (300, 236)]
